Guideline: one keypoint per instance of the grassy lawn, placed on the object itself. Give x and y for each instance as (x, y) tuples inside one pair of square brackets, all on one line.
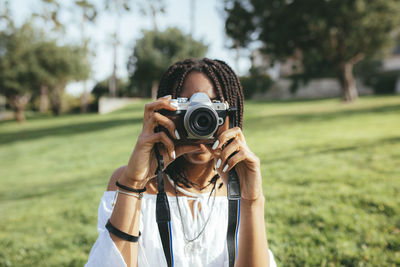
[(331, 180)]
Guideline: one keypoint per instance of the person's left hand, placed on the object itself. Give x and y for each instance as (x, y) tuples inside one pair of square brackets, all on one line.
[(246, 163)]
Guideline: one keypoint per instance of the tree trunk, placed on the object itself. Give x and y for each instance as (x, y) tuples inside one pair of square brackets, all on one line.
[(112, 84), (56, 101), (154, 11), (44, 99), (347, 82), (18, 103), (84, 101), (154, 89)]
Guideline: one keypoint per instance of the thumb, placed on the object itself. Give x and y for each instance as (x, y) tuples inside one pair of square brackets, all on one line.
[(215, 153)]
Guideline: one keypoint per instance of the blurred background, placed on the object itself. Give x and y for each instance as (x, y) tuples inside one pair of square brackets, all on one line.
[(321, 80)]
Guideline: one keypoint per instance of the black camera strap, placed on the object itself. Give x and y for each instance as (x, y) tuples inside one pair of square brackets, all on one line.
[(233, 215), (233, 195), (163, 214)]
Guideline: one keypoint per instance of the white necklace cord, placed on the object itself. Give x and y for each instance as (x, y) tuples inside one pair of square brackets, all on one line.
[(180, 215)]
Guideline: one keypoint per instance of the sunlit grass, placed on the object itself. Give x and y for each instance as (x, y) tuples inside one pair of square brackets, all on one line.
[(331, 179)]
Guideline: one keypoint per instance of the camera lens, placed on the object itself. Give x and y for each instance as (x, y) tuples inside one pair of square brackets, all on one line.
[(202, 122)]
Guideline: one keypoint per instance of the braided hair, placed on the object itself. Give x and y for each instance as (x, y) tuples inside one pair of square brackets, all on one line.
[(227, 86)]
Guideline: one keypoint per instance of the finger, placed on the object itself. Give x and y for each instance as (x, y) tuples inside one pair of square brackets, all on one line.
[(165, 140), (227, 135), (160, 103), (227, 152), (235, 159), (164, 97), (159, 119)]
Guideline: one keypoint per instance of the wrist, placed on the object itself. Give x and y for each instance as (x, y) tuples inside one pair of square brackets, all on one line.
[(125, 180), (253, 203)]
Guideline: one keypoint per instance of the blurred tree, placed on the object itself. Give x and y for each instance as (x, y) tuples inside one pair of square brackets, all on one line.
[(49, 14), (156, 7), (57, 66), (101, 89), (17, 62), (238, 29), (6, 21), (117, 7), (30, 65), (155, 52), (48, 22), (332, 35), (88, 14), (255, 83)]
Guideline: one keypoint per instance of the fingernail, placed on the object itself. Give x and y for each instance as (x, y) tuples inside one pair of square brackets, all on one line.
[(166, 96), (173, 154), (177, 135), (218, 163), (215, 145), (174, 104), (225, 168)]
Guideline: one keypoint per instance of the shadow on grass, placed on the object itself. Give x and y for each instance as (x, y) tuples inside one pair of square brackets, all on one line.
[(36, 116), (390, 140), (65, 130), (49, 189), (271, 121)]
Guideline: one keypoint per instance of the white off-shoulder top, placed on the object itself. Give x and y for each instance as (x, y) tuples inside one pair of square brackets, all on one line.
[(209, 249)]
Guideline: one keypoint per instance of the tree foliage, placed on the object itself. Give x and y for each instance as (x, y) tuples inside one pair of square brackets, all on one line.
[(17, 67), (29, 62), (331, 35), (59, 65), (155, 52)]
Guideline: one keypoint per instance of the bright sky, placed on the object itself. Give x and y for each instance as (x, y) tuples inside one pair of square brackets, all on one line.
[(209, 27)]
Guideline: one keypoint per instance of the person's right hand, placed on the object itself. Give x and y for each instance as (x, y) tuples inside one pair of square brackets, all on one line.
[(143, 162)]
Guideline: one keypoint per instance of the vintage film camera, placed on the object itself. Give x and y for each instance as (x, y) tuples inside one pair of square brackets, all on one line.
[(198, 119)]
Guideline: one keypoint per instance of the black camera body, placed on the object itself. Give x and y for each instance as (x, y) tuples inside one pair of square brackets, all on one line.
[(198, 119)]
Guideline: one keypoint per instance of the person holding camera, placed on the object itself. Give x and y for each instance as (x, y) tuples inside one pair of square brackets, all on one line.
[(192, 140)]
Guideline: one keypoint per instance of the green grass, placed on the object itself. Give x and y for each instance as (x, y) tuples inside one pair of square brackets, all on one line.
[(331, 177)]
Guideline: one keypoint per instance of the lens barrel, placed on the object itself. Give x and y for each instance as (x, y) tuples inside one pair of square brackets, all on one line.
[(201, 122)]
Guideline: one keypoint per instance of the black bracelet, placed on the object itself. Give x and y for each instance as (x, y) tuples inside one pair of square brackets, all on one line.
[(120, 234), (130, 189)]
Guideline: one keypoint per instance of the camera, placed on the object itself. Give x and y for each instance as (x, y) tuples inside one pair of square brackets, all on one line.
[(198, 119)]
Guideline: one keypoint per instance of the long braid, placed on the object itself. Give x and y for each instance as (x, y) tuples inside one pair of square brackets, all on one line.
[(227, 87), (215, 80), (237, 99)]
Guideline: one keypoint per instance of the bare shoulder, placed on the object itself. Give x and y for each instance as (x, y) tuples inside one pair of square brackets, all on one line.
[(151, 186), (114, 177)]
